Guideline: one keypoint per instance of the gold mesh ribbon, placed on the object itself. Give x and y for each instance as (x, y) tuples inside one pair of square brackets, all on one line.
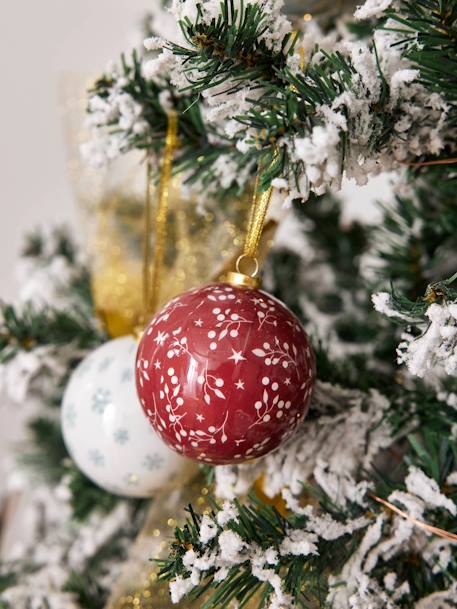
[(153, 270), (137, 586)]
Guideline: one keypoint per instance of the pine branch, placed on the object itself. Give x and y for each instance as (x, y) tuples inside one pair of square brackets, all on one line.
[(230, 46), (416, 239), (237, 51), (44, 248), (263, 528), (342, 297), (431, 25), (47, 454), (87, 497), (31, 328), (289, 101), (230, 51), (200, 144), (260, 529)]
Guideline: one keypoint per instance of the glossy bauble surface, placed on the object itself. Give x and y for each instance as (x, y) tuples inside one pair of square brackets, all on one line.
[(105, 429), (225, 373)]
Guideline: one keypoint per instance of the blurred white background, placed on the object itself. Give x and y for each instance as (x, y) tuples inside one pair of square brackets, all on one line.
[(40, 42)]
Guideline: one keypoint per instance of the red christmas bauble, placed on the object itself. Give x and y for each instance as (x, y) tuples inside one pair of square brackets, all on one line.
[(225, 374)]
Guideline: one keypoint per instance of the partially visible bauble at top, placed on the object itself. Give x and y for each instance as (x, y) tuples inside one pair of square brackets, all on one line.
[(225, 374), (106, 432)]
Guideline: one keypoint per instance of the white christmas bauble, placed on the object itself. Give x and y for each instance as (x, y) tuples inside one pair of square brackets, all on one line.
[(106, 431)]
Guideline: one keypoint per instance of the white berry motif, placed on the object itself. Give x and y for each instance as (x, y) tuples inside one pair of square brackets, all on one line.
[(225, 374), (278, 354)]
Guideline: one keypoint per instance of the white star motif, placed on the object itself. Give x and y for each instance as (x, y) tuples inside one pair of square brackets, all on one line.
[(199, 323), (287, 382), (239, 384), (157, 365), (236, 356), (200, 418)]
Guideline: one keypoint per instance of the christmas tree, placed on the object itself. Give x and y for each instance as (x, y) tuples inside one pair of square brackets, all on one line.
[(357, 509)]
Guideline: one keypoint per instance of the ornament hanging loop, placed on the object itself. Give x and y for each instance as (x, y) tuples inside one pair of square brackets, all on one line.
[(253, 273), (259, 209), (247, 280)]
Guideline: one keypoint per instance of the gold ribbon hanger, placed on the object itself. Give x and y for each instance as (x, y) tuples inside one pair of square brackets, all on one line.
[(153, 266), (259, 208)]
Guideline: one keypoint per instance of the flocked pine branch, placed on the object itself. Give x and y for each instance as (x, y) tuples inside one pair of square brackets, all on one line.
[(361, 97), (414, 244), (429, 344), (128, 111), (252, 554), (360, 108), (28, 329)]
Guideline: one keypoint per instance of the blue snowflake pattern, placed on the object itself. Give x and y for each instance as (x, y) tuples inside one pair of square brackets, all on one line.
[(104, 364), (121, 436), (96, 457), (127, 375), (152, 462), (100, 400), (70, 415)]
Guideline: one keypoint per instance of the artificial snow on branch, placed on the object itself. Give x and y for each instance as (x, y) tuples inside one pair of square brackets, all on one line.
[(358, 110)]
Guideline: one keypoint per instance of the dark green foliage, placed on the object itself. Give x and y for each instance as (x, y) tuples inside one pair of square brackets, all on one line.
[(7, 580), (230, 50), (230, 47), (337, 252), (46, 454), (87, 497), (37, 245), (431, 28), (261, 524), (197, 150), (31, 328), (418, 234), (305, 578), (87, 589)]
